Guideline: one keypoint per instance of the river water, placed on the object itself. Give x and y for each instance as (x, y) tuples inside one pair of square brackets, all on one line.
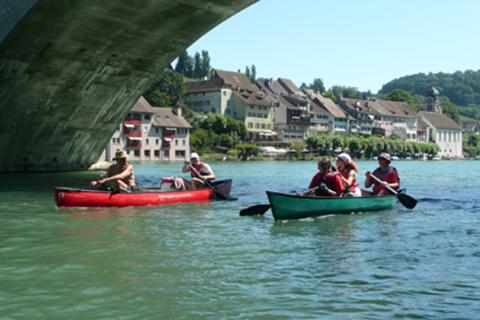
[(204, 261)]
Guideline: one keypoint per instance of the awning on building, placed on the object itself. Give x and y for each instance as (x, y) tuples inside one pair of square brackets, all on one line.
[(171, 129), (135, 138), (266, 133), (127, 125)]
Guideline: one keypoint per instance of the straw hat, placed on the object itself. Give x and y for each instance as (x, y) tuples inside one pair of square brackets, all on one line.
[(120, 155), (385, 156)]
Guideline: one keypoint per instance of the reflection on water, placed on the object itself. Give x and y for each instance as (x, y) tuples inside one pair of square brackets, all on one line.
[(204, 261)]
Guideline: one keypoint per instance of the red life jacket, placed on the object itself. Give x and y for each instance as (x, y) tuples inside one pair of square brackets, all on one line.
[(354, 185), (390, 175)]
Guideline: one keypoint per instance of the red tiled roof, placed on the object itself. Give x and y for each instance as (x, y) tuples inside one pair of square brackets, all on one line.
[(327, 103), (397, 108), (143, 106), (164, 117), (439, 120), (203, 86), (289, 86), (236, 80)]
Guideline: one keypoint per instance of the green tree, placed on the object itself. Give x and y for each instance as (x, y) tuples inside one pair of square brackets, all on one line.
[(167, 90), (197, 66), (247, 72), (253, 76), (450, 109), (182, 63), (400, 95), (317, 84), (205, 70), (246, 150)]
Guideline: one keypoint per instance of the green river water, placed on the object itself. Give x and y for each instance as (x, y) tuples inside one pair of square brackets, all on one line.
[(204, 261)]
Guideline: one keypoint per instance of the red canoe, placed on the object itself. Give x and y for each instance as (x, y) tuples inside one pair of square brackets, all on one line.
[(70, 197)]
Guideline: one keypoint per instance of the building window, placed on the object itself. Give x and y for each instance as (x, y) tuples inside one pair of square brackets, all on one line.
[(183, 141), (156, 142), (213, 110), (113, 140), (146, 117), (146, 141), (166, 154), (156, 153), (250, 125), (156, 130), (146, 153), (180, 154), (176, 142), (136, 153), (256, 126)]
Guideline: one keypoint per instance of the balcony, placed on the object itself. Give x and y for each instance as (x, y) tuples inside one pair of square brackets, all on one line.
[(132, 134), (134, 144), (132, 122)]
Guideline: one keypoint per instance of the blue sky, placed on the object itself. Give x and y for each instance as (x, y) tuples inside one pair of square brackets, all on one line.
[(348, 42)]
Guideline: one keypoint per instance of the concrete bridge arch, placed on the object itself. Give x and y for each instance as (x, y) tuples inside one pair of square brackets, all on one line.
[(70, 70)]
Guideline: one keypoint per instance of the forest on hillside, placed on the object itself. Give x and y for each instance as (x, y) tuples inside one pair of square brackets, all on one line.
[(461, 88)]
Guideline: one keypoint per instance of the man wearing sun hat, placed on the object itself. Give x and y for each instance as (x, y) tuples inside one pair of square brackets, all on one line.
[(120, 175), (199, 171), (386, 173)]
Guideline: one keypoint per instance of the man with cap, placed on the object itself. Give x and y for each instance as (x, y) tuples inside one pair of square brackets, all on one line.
[(120, 174), (386, 173), (199, 171)]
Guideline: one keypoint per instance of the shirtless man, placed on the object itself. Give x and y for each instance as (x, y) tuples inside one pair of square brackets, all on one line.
[(120, 173)]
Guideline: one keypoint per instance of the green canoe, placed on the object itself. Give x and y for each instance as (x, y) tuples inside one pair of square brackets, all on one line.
[(289, 206)]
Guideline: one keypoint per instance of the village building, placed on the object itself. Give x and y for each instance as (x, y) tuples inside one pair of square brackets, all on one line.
[(382, 117), (291, 117), (446, 133), (232, 94), (151, 134), (439, 128), (327, 115)]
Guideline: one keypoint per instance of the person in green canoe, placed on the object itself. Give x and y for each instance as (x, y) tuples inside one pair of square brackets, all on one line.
[(325, 182), (386, 173)]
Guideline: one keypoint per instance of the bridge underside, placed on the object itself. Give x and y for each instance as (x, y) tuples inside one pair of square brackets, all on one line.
[(71, 70)]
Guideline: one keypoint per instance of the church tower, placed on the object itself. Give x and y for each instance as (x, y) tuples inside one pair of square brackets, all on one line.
[(432, 101)]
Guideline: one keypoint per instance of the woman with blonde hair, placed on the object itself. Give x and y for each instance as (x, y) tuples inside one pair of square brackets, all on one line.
[(348, 170)]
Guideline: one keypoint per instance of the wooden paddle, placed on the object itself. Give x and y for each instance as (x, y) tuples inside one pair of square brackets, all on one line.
[(259, 209), (219, 194), (407, 201)]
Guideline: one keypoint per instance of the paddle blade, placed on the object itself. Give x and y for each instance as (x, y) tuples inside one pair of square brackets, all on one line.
[(406, 200), (255, 210)]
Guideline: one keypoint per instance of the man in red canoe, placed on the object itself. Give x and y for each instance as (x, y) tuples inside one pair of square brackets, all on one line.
[(199, 171), (120, 175), (386, 173)]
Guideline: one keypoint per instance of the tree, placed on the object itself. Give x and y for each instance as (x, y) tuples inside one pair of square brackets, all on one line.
[(450, 109), (188, 66), (247, 72), (400, 95), (167, 90), (253, 75), (317, 84), (182, 63), (205, 64), (197, 66)]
